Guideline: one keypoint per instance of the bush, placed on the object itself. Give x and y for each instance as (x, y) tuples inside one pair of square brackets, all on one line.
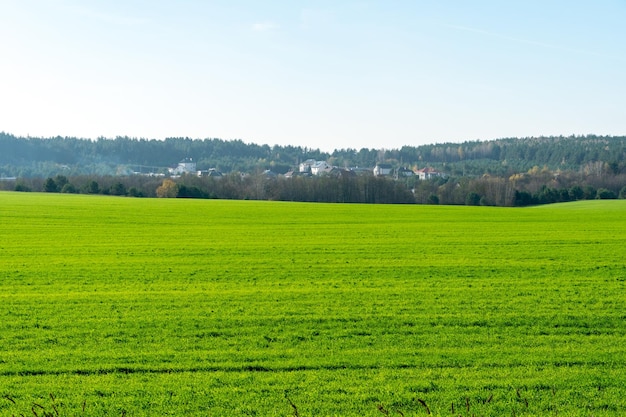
[(22, 187), (589, 193), (118, 189), (134, 192), (92, 188), (433, 199), (60, 181), (50, 186), (169, 189), (523, 198), (576, 193), (190, 192), (604, 194), (69, 188), (472, 199)]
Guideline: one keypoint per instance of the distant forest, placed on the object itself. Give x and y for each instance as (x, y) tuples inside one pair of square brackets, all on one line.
[(506, 172)]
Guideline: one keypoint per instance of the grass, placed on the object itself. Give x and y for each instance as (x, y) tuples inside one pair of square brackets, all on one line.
[(117, 306)]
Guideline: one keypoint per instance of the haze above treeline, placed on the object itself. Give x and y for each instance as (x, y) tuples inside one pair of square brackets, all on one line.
[(25, 157)]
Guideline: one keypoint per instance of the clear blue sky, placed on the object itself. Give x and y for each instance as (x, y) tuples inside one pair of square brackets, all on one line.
[(323, 74)]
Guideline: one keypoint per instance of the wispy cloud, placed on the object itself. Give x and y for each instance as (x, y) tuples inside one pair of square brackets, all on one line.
[(497, 35), (531, 42), (264, 26)]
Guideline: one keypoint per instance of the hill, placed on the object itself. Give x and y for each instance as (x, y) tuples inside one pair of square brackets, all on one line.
[(42, 157), (503, 172)]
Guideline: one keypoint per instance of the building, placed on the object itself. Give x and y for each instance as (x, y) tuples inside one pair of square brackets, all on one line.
[(382, 170), (186, 166), (210, 173), (341, 173), (306, 165), (428, 173), (320, 168), (361, 171), (404, 173)]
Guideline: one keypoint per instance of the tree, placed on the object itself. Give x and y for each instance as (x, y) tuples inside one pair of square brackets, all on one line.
[(576, 193), (168, 189), (589, 192), (433, 199), (523, 198), (93, 188), (69, 188), (118, 189), (472, 199), (190, 192), (50, 186), (604, 194), (61, 181), (134, 192)]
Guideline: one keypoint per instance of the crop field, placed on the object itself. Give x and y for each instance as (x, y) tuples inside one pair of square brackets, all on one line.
[(141, 307)]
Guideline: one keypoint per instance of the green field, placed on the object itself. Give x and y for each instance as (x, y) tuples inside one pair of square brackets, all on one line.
[(142, 307)]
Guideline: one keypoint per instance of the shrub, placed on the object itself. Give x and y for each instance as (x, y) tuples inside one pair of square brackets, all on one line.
[(134, 192), (22, 187), (69, 188), (50, 186), (118, 189), (472, 199), (433, 199), (604, 194), (93, 188), (169, 189)]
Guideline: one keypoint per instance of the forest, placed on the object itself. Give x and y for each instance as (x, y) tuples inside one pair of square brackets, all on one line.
[(502, 172)]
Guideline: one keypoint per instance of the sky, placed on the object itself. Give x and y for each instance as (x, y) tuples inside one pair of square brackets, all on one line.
[(313, 73)]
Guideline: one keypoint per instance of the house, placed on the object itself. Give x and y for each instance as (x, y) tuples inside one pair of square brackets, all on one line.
[(320, 167), (185, 166), (341, 173), (361, 171), (293, 174), (313, 167), (382, 169), (210, 173), (404, 173), (428, 173), (306, 165)]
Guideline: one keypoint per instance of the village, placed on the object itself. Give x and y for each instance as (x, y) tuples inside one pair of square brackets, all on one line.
[(311, 167)]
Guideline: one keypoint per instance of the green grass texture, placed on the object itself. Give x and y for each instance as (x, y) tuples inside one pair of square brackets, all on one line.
[(141, 307)]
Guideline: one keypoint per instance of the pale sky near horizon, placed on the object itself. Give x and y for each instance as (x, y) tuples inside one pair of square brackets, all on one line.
[(321, 74)]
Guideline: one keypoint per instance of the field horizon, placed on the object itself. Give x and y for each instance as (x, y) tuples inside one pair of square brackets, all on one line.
[(123, 306)]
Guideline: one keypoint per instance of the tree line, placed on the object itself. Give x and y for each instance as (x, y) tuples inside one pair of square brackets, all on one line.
[(365, 189), (503, 172), (44, 157), (536, 186)]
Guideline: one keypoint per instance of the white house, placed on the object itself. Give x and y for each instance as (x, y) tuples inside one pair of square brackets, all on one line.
[(186, 166), (382, 169), (428, 173), (320, 167), (306, 165)]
